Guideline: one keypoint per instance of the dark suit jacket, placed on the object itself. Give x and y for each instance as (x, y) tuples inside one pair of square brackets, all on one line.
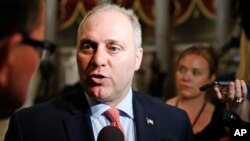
[(66, 118)]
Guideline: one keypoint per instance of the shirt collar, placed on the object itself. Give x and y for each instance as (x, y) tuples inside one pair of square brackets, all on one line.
[(125, 106)]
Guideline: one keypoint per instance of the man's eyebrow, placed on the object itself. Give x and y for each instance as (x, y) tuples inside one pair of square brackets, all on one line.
[(114, 41), (87, 41)]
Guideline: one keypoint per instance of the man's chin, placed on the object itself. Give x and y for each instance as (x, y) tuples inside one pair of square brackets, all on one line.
[(97, 92)]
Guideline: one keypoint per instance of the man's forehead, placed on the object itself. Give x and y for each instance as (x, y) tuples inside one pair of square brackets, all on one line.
[(108, 14), (109, 19)]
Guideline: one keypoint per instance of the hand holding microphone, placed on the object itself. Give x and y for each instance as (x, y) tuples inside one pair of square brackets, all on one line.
[(230, 92), (234, 94)]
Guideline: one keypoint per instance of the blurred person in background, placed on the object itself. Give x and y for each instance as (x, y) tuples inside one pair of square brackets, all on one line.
[(196, 66), (21, 20), (21, 38), (243, 71), (242, 109), (238, 97)]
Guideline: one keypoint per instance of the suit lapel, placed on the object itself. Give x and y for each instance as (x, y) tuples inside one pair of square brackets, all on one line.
[(79, 128), (145, 121), (78, 124)]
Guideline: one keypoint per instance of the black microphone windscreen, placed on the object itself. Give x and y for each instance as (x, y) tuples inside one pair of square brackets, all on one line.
[(110, 133)]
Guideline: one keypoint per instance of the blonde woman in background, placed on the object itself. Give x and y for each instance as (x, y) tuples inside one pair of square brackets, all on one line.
[(197, 66)]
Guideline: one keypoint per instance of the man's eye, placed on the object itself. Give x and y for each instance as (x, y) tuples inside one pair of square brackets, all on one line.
[(114, 49), (86, 47)]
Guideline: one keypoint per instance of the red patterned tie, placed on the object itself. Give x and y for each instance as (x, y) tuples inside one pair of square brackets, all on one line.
[(113, 114)]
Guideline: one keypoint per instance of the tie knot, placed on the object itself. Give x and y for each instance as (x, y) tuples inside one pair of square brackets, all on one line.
[(113, 114)]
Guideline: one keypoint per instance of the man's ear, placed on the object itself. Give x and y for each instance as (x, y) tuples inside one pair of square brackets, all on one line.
[(139, 55), (9, 43), (14, 41), (7, 47)]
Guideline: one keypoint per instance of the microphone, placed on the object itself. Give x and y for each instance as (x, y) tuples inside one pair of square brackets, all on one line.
[(110, 133), (230, 119), (212, 84)]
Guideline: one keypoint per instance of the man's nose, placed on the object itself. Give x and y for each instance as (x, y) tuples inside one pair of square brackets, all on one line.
[(99, 57)]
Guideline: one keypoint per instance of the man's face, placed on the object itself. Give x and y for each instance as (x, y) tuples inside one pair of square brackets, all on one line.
[(107, 56)]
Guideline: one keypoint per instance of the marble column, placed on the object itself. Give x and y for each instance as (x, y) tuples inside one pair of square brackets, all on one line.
[(162, 34), (51, 21), (162, 21), (223, 22)]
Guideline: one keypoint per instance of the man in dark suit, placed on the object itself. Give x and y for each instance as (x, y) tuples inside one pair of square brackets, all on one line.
[(108, 53)]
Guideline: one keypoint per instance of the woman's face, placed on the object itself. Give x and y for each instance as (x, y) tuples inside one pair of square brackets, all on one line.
[(192, 72)]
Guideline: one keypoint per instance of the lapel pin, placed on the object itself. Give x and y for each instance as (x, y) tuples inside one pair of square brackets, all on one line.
[(149, 121)]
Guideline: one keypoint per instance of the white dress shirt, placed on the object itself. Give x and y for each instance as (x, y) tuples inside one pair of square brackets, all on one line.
[(99, 121)]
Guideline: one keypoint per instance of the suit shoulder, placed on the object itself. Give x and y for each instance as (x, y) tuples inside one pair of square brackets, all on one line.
[(45, 108), (152, 103)]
